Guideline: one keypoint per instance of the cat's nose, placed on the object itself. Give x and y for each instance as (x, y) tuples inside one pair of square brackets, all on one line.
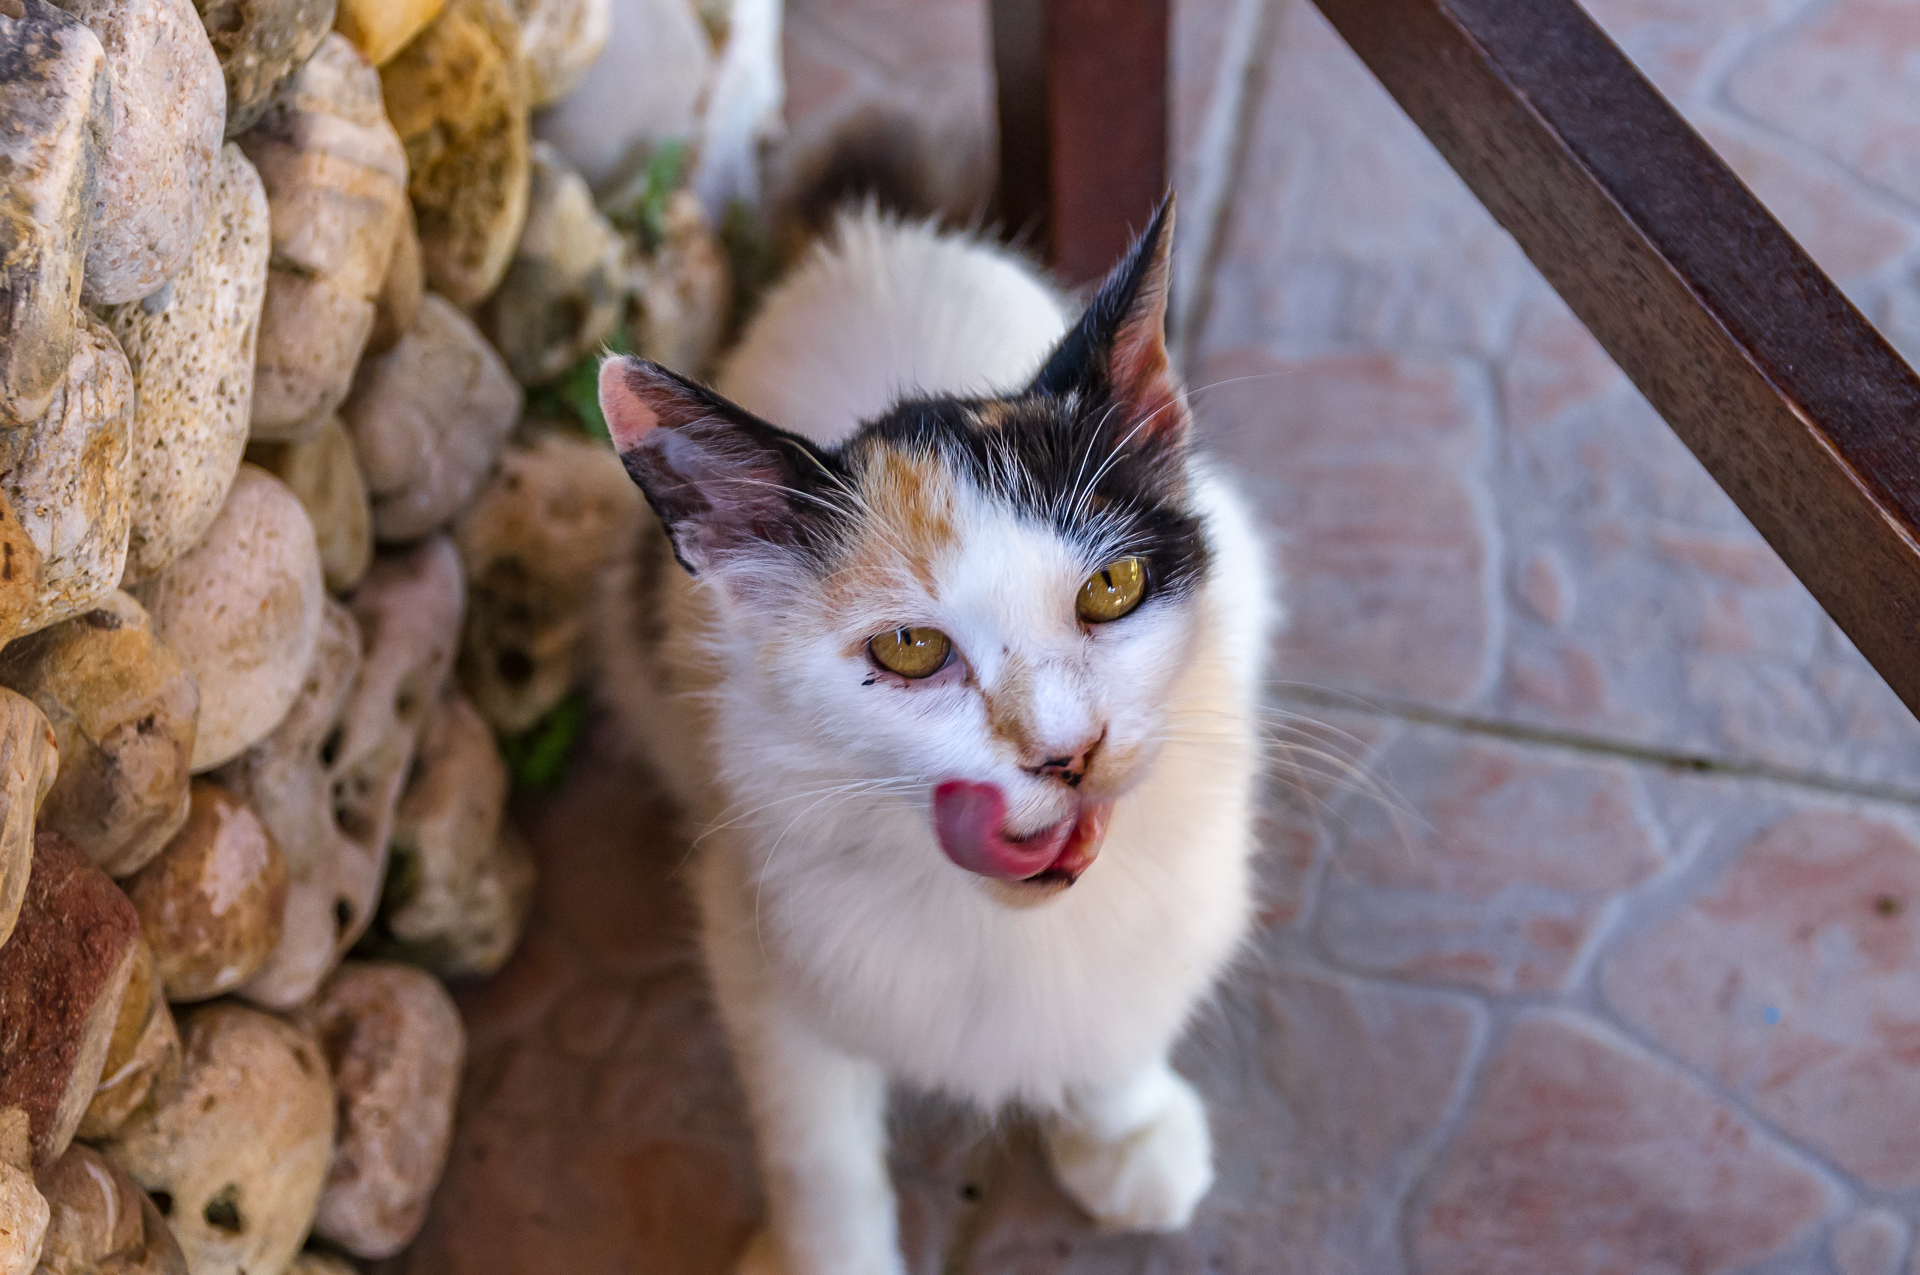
[(1069, 766)]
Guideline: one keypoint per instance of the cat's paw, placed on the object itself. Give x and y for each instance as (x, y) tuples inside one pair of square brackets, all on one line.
[(762, 1257), (1148, 1180)]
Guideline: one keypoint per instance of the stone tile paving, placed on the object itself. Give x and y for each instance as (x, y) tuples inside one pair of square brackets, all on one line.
[(1590, 938)]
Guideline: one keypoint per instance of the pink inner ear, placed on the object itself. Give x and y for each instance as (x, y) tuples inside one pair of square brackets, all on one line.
[(629, 418), (1139, 370)]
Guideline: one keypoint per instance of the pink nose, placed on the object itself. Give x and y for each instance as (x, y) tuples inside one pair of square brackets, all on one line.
[(1069, 767)]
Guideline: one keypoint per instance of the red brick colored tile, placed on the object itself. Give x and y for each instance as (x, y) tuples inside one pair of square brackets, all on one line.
[(1490, 865), (1582, 1154), (1794, 978)]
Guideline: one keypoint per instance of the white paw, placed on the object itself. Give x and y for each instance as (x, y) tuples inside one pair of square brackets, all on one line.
[(1148, 1180)]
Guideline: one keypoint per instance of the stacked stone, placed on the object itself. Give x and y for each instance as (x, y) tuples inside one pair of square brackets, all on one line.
[(279, 560)]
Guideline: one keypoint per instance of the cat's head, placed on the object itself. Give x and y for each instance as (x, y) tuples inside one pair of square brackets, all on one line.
[(986, 601)]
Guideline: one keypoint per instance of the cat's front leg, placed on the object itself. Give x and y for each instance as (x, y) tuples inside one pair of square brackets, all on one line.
[(1137, 1156), (818, 1114)]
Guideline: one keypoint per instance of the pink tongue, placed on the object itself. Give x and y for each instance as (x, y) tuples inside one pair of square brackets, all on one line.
[(969, 819)]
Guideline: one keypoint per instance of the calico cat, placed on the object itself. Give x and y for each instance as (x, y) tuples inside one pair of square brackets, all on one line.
[(959, 683)]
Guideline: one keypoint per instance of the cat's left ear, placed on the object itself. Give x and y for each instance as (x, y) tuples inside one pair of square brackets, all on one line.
[(1118, 350)]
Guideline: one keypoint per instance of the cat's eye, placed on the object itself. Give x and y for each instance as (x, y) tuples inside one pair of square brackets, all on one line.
[(912, 653), (1112, 591)]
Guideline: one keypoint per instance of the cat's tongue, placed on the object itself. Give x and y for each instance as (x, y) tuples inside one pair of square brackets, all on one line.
[(970, 820)]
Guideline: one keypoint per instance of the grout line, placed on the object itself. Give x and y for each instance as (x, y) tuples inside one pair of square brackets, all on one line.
[(1697, 763)]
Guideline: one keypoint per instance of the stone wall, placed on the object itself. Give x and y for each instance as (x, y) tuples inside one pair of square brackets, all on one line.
[(300, 510)]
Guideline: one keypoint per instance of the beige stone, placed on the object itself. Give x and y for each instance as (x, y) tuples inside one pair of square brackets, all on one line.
[(395, 1045), (329, 780), (560, 39), (102, 1223), (66, 477), (409, 611), (169, 114), (321, 1264), (29, 760), (428, 419), (260, 43), (336, 179), (258, 560), (454, 901), (324, 472), (535, 542), (23, 1221), (240, 1144), (211, 904), (53, 95), (190, 347), (567, 286), (381, 28), (644, 89), (143, 1057), (398, 304), (332, 879), (23, 573), (682, 290), (458, 98), (123, 709), (63, 974)]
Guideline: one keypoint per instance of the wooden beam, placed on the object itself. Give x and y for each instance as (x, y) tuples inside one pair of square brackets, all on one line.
[(1082, 89), (1789, 397)]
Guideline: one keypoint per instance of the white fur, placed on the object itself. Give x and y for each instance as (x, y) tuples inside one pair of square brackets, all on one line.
[(844, 948)]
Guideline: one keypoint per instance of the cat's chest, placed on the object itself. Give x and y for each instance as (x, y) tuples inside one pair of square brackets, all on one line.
[(956, 992)]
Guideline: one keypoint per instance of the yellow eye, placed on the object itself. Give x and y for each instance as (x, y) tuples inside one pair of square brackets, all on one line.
[(1112, 591), (911, 653)]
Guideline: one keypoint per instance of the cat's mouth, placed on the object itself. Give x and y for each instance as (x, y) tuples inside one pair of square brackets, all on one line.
[(971, 821)]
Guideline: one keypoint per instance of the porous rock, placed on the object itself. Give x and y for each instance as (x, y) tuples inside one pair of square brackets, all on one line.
[(65, 478), (332, 880), (535, 542), (454, 901), (328, 781), (29, 760), (211, 903), (408, 609), (142, 1058), (53, 95), (428, 419), (23, 1221), (190, 348), (123, 710), (682, 290), (243, 610), (259, 44), (324, 472), (23, 573), (398, 304), (240, 1143), (395, 1045), (102, 1223), (169, 108), (458, 97), (336, 180), (63, 974), (560, 40), (643, 90), (381, 28), (567, 285)]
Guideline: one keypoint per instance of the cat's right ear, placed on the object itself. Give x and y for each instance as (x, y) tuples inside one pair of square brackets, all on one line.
[(723, 481)]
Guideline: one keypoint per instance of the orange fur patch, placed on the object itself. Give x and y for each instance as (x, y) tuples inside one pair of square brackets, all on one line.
[(908, 524)]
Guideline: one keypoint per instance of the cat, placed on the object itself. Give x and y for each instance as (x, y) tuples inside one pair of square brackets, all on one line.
[(959, 683)]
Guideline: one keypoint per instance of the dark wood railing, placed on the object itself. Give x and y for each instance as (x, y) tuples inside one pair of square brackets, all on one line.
[(1799, 409)]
